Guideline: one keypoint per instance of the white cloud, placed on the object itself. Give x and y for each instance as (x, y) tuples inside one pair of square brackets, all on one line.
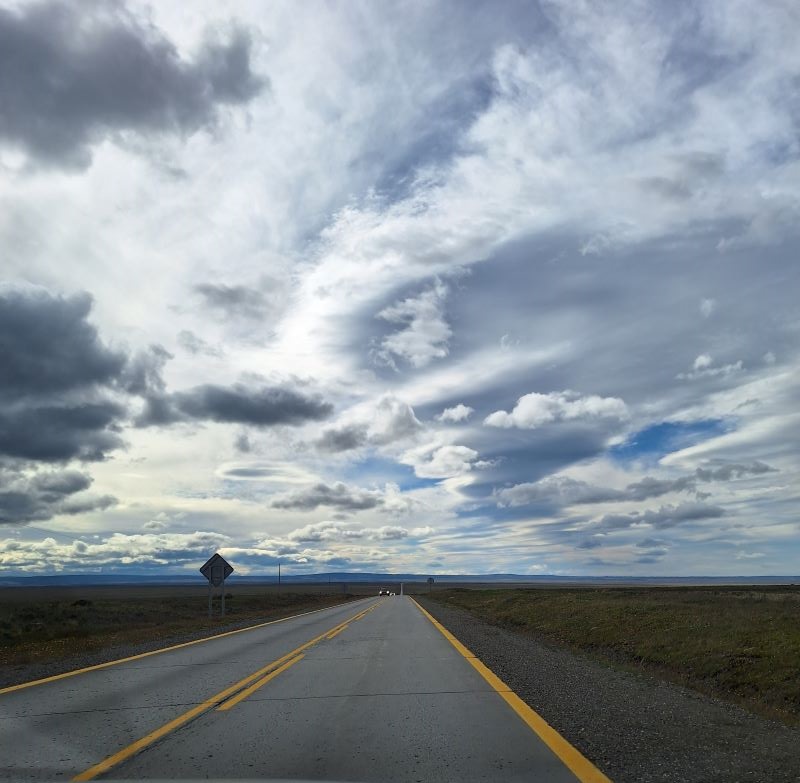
[(704, 367), (561, 490), (439, 462), (534, 409), (425, 334), (457, 413), (382, 422), (325, 531), (707, 307), (145, 549), (336, 531), (507, 343), (390, 533), (392, 419), (750, 555), (396, 502)]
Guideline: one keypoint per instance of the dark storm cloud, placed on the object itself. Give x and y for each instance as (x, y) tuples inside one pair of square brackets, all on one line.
[(48, 346), (26, 498), (565, 491), (346, 438), (722, 471), (65, 395), (260, 407), (652, 543), (85, 505), (337, 495), (650, 487), (72, 74), (233, 300), (142, 374), (57, 433), (248, 473), (664, 517), (57, 379), (242, 443), (558, 489)]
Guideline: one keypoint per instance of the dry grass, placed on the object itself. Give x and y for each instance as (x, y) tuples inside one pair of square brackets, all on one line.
[(53, 625), (739, 644)]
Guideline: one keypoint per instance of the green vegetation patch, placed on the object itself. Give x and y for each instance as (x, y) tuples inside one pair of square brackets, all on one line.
[(55, 627), (740, 644)]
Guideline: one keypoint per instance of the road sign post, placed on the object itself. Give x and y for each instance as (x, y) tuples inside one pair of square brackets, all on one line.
[(216, 569)]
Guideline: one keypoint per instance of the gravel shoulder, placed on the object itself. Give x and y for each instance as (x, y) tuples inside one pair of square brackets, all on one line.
[(634, 727)]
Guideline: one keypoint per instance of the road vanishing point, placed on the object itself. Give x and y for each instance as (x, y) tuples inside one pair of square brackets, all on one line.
[(373, 690)]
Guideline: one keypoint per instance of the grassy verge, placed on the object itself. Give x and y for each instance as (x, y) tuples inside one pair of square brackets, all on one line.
[(53, 629), (739, 644)]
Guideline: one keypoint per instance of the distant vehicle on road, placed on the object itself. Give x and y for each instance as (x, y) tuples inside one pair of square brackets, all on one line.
[(383, 591)]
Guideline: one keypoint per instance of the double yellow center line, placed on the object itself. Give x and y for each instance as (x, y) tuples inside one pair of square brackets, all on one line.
[(224, 700), (234, 700)]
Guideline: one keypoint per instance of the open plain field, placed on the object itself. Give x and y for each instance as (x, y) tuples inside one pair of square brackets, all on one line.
[(741, 644), (42, 625)]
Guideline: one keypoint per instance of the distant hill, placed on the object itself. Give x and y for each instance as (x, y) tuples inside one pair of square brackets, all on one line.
[(45, 580)]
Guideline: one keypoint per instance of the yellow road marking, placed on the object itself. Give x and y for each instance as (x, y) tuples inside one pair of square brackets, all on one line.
[(232, 702), (213, 701), (336, 632), (367, 611), (573, 759), (105, 665)]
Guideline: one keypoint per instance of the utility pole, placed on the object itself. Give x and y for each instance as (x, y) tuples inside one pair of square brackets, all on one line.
[(279, 578)]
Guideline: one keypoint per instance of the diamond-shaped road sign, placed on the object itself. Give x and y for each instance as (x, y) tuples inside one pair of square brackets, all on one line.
[(216, 569)]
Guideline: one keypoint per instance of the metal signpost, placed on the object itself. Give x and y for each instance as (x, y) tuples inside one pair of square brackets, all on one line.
[(430, 584), (216, 569)]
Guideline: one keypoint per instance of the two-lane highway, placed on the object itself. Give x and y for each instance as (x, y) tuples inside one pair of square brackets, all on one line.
[(373, 690)]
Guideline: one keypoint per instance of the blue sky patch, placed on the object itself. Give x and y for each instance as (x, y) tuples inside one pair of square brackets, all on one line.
[(657, 440), (375, 470)]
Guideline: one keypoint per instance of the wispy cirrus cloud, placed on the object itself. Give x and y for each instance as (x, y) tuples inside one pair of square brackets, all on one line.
[(532, 279)]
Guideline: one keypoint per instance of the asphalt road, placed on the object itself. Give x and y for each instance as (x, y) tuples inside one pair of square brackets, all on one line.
[(368, 691)]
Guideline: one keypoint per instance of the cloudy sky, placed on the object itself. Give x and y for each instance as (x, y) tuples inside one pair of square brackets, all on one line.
[(422, 286)]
